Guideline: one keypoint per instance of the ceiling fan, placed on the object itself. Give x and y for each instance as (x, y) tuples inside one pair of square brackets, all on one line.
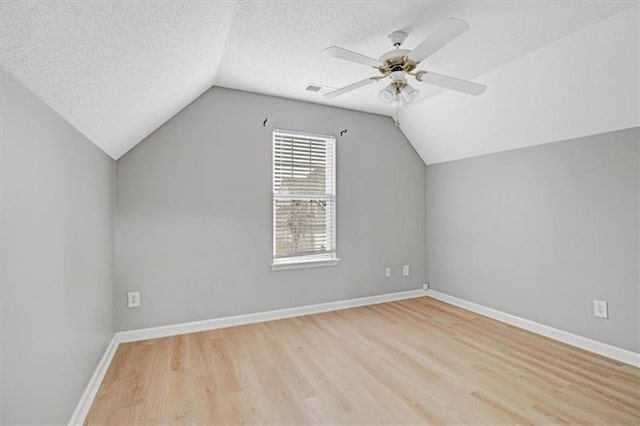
[(398, 63)]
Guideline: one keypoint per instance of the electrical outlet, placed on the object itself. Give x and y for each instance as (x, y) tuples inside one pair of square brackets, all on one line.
[(405, 270), (133, 299), (387, 271), (600, 309), (425, 286)]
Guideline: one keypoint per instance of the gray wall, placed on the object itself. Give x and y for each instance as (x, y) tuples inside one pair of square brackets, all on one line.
[(193, 219), (540, 232), (57, 192)]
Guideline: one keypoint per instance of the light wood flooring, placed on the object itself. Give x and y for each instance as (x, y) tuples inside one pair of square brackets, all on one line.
[(412, 361)]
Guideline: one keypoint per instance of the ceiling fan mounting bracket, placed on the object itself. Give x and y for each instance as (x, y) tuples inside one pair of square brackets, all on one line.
[(397, 38)]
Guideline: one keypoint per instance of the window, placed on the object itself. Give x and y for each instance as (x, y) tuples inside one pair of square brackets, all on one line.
[(304, 200)]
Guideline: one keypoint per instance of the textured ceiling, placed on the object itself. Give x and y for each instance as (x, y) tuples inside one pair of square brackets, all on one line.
[(119, 70), (115, 70)]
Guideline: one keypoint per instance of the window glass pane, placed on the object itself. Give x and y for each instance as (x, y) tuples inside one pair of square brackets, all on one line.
[(301, 227)]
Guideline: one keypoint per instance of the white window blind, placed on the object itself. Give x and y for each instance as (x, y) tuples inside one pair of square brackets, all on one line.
[(304, 197)]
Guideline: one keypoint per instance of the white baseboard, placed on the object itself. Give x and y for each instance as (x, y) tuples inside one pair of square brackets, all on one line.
[(90, 392), (195, 326), (613, 352)]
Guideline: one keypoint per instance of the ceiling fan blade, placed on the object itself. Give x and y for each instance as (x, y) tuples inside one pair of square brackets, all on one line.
[(451, 82), (348, 55), (351, 87), (442, 35)]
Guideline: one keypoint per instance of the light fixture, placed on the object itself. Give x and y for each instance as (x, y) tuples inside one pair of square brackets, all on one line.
[(409, 94), (398, 93), (389, 93)]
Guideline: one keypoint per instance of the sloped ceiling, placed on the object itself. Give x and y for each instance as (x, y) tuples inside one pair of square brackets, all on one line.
[(119, 70), (584, 84)]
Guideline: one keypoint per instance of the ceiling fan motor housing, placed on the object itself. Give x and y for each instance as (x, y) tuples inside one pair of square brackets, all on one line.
[(396, 60)]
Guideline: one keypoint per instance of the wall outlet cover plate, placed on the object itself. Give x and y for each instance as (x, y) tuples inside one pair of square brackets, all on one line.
[(405, 270), (600, 309), (133, 299)]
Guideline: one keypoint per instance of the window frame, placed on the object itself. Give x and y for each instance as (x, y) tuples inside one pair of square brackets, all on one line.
[(304, 260)]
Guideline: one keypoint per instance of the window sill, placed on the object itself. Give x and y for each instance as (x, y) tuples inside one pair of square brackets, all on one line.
[(307, 263)]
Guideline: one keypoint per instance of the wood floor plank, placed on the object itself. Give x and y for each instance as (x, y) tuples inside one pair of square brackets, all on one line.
[(406, 362)]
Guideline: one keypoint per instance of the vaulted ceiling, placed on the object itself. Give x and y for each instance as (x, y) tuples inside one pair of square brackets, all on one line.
[(119, 70)]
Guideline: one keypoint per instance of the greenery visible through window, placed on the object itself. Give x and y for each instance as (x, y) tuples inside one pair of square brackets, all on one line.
[(303, 197)]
